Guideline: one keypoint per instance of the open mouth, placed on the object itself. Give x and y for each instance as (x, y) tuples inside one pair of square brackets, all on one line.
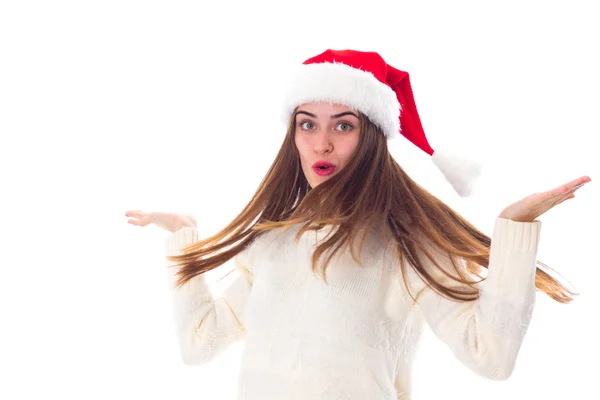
[(323, 169)]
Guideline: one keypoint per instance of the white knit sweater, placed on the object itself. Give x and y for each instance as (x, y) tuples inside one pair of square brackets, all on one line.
[(354, 337)]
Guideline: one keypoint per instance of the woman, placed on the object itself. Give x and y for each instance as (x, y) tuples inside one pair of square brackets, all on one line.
[(335, 205)]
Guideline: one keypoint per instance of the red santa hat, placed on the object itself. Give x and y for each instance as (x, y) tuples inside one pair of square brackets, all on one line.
[(365, 82)]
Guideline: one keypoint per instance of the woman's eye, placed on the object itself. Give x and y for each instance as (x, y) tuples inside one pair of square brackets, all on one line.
[(342, 126), (346, 126), (304, 124)]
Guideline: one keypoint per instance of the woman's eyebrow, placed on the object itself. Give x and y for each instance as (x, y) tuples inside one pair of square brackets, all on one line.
[(343, 113), (307, 113), (332, 117)]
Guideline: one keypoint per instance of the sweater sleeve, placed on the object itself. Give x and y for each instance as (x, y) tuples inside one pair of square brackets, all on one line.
[(206, 324), (486, 334)]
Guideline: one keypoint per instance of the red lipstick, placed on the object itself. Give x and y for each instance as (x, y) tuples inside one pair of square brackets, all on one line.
[(323, 168)]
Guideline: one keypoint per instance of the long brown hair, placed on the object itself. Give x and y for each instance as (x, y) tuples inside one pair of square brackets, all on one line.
[(371, 192)]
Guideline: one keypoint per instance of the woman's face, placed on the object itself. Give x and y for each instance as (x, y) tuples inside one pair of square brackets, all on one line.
[(325, 132)]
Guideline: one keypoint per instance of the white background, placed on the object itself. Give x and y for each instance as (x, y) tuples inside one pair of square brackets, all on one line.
[(107, 106)]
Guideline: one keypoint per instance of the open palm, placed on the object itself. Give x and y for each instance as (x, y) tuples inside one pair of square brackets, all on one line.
[(532, 206)]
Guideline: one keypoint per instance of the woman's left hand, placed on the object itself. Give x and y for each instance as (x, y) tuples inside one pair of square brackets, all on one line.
[(532, 206)]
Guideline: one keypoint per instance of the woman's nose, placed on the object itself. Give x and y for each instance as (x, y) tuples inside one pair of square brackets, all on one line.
[(322, 144)]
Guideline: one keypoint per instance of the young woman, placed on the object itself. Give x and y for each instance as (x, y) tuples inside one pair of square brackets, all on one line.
[(342, 258)]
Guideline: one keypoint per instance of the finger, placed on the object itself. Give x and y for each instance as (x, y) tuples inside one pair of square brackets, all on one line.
[(560, 190), (138, 217), (572, 195), (565, 189), (134, 221), (573, 189), (135, 213), (574, 184), (579, 181)]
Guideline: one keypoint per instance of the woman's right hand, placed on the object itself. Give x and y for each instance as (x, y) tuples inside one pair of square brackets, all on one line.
[(168, 221)]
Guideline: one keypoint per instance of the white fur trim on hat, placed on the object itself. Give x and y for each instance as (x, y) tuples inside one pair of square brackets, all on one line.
[(341, 84)]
